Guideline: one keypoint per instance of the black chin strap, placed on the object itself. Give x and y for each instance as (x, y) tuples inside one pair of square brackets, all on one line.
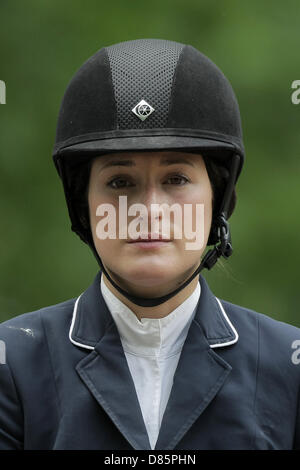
[(222, 248)]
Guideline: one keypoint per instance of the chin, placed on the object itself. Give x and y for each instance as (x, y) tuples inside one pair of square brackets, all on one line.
[(149, 279), (148, 275)]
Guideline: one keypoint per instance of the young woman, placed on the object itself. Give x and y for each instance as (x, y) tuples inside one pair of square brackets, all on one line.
[(149, 149)]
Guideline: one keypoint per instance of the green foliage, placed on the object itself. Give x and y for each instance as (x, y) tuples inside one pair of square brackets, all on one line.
[(43, 43)]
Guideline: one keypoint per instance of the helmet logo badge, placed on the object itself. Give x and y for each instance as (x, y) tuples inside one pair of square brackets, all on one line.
[(143, 110)]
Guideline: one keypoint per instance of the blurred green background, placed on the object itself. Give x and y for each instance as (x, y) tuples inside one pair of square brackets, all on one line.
[(255, 43)]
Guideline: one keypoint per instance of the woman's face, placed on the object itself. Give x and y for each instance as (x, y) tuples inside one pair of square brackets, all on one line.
[(149, 178)]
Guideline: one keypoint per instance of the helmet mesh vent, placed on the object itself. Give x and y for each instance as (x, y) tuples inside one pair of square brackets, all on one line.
[(143, 70)]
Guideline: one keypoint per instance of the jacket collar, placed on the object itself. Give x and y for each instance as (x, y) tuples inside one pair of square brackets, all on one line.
[(106, 374), (91, 318)]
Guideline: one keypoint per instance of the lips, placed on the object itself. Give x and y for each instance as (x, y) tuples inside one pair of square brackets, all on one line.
[(149, 238)]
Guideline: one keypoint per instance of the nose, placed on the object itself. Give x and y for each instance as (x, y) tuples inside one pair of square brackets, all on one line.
[(150, 196), (155, 203)]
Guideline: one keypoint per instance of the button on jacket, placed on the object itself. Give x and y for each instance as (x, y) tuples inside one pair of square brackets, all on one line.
[(66, 383), (152, 348)]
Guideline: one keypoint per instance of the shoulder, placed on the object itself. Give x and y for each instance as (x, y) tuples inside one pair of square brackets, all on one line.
[(247, 319), (30, 322), (28, 331), (272, 344)]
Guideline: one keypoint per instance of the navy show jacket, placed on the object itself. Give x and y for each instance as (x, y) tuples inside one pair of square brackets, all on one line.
[(65, 383)]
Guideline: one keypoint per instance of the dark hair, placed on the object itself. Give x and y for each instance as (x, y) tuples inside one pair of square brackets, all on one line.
[(79, 174), (218, 175)]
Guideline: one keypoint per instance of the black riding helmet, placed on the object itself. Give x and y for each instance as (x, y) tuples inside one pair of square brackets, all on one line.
[(150, 94)]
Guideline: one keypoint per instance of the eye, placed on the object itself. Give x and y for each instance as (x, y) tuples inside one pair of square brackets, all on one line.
[(119, 182), (178, 180)]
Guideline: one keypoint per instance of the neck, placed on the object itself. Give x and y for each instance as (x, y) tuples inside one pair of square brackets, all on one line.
[(159, 311)]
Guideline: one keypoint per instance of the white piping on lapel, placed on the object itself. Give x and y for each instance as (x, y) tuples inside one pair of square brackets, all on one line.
[(218, 345), (72, 326)]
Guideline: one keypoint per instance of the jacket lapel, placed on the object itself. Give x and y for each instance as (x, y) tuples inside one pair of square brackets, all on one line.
[(201, 372), (105, 370), (199, 376)]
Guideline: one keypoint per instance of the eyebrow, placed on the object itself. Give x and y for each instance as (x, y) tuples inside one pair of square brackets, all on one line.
[(163, 162)]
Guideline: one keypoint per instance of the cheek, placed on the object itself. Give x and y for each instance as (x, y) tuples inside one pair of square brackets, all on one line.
[(92, 210), (95, 200), (199, 201)]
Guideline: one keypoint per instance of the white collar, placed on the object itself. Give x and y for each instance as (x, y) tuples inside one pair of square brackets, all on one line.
[(159, 337)]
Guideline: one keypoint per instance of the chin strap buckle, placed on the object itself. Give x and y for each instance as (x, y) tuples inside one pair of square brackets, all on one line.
[(224, 236), (224, 248)]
